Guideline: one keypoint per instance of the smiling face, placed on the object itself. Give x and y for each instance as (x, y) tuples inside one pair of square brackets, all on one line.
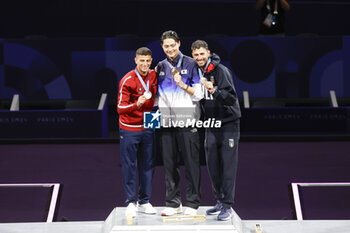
[(201, 56), (171, 48), (143, 63)]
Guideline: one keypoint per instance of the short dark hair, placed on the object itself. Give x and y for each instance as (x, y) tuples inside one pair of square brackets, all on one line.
[(169, 35), (144, 51), (199, 44)]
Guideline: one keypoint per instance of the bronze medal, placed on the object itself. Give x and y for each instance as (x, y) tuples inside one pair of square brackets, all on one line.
[(174, 71)]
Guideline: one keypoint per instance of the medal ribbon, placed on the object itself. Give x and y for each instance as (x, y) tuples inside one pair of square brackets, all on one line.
[(178, 63), (141, 80), (200, 72), (276, 6)]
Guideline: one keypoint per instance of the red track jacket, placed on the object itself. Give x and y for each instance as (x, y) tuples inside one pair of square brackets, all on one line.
[(130, 88)]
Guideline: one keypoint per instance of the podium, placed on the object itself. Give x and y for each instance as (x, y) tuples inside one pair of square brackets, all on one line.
[(117, 222)]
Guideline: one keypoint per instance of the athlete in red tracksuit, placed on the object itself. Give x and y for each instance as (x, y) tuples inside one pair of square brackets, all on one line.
[(136, 95)]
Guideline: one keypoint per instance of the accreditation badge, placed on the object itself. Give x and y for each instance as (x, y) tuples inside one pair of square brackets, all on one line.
[(268, 20)]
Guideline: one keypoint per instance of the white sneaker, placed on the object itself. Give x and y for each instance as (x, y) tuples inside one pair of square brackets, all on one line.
[(169, 211), (190, 211), (131, 210), (147, 208)]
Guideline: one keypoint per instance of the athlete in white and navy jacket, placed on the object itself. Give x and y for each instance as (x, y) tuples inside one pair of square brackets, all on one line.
[(174, 99), (179, 94)]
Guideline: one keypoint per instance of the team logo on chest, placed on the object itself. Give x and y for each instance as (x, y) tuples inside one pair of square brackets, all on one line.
[(139, 91), (211, 79), (207, 94)]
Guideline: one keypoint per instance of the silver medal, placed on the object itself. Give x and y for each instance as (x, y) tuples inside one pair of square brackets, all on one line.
[(147, 94)]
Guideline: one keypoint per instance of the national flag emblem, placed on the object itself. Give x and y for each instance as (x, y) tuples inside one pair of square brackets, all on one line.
[(231, 142), (184, 71)]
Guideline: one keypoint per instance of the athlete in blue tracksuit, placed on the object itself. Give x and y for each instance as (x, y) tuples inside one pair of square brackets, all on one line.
[(221, 144)]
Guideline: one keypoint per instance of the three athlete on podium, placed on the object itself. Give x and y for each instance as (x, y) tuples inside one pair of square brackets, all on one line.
[(197, 88)]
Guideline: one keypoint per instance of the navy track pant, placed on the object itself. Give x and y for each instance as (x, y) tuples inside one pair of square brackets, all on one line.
[(221, 150), (136, 149)]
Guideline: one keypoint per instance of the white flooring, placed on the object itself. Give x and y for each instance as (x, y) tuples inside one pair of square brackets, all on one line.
[(268, 226)]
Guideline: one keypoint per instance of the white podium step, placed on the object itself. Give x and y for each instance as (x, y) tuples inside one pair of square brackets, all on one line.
[(118, 223)]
